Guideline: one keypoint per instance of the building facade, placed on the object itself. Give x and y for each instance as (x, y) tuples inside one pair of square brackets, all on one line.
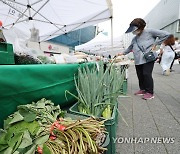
[(165, 16)]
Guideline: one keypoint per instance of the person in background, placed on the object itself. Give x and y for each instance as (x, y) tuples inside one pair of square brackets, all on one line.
[(168, 54), (175, 46), (145, 39), (2, 38), (176, 41)]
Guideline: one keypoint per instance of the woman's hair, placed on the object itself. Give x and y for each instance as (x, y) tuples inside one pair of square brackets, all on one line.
[(170, 40), (176, 38), (140, 23)]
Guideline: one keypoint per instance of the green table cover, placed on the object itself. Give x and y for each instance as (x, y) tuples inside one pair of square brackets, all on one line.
[(22, 84)]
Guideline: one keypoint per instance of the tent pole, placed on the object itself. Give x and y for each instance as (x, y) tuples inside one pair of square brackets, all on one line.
[(39, 45), (112, 34)]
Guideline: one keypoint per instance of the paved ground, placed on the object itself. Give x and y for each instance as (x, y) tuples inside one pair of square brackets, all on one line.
[(151, 123)]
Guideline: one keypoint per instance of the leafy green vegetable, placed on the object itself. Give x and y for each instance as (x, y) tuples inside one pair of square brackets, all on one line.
[(32, 150), (15, 141), (3, 142), (26, 140), (16, 118), (27, 128), (28, 116), (9, 150), (32, 127), (42, 139)]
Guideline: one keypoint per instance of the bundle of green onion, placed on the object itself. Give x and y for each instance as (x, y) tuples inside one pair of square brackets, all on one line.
[(98, 89)]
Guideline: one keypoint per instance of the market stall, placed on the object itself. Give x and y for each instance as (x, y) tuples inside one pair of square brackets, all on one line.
[(22, 84), (98, 87), (48, 19)]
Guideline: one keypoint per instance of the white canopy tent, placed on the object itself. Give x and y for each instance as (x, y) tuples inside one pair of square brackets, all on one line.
[(94, 42), (102, 45), (53, 17)]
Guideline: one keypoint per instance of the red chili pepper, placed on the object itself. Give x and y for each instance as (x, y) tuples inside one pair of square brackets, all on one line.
[(56, 123), (51, 130), (61, 127), (58, 126), (52, 133), (39, 149), (52, 137)]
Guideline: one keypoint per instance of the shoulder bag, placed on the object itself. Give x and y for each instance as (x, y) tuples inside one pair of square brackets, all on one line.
[(149, 56)]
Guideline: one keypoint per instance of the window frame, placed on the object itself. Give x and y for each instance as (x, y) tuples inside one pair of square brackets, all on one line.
[(178, 26)]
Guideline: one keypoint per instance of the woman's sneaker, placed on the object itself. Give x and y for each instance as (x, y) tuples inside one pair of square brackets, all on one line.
[(148, 96), (166, 72), (140, 92)]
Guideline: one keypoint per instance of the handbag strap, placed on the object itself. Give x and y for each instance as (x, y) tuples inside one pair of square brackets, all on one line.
[(174, 52), (171, 47), (139, 46)]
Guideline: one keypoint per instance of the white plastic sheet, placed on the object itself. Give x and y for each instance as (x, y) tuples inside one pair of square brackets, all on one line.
[(101, 45)]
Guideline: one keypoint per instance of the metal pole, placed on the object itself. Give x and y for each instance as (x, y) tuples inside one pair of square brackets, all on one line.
[(112, 34), (79, 36)]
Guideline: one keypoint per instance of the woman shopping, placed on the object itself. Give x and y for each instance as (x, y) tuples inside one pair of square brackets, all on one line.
[(142, 44), (168, 54)]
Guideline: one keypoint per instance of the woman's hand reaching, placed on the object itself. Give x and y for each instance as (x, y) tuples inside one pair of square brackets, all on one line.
[(153, 47), (120, 54)]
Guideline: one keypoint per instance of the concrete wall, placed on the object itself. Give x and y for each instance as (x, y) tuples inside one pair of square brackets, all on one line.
[(165, 16), (173, 28)]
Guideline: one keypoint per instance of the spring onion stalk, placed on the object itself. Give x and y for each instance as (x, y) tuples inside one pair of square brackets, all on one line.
[(98, 89)]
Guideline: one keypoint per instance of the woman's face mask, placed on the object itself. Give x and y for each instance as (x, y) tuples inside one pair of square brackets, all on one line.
[(136, 32)]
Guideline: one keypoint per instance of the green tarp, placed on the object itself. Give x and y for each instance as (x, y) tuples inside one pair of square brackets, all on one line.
[(23, 84)]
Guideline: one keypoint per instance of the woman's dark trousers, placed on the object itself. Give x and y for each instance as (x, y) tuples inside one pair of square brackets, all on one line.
[(144, 74)]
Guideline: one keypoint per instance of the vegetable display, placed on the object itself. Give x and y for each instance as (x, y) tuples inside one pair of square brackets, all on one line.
[(41, 128), (98, 89), (77, 136)]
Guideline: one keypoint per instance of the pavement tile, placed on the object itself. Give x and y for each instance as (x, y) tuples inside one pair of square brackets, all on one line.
[(155, 121)]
